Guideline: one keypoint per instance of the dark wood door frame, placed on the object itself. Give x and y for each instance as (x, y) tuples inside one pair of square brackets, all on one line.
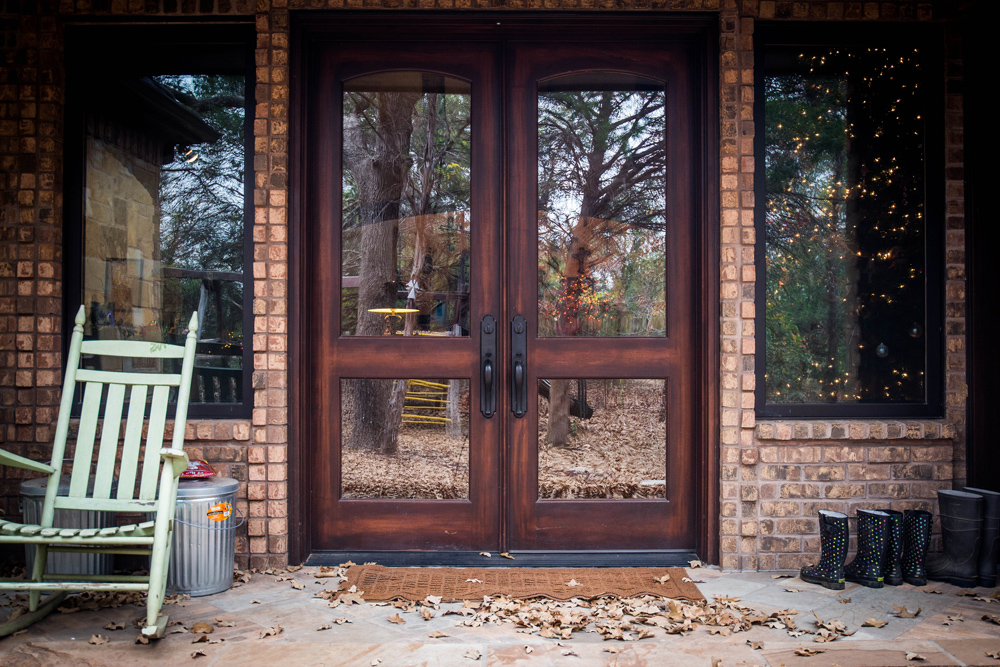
[(310, 30)]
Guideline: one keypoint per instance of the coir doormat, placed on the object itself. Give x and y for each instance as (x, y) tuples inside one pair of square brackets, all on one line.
[(382, 584)]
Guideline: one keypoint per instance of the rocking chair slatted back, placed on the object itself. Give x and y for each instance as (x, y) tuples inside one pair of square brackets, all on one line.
[(113, 386)]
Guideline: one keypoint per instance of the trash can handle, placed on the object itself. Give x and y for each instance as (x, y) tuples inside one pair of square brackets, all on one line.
[(243, 520)]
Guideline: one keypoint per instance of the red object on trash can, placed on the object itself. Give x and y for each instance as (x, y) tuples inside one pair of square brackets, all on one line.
[(198, 469)]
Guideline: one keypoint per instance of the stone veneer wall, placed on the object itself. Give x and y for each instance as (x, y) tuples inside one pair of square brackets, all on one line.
[(774, 475)]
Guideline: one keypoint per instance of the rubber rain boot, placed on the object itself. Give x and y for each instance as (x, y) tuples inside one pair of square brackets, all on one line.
[(989, 547), (961, 520), (916, 537), (892, 570), (873, 537), (829, 572)]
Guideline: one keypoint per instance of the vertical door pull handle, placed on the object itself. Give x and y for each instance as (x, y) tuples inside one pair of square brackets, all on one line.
[(487, 356), (518, 366)]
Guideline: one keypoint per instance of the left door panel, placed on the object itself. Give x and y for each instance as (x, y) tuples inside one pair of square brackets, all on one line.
[(403, 261)]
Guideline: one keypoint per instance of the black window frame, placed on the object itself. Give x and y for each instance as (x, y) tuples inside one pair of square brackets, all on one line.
[(929, 39), (156, 47)]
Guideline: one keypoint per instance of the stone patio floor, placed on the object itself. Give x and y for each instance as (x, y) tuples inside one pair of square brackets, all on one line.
[(370, 639)]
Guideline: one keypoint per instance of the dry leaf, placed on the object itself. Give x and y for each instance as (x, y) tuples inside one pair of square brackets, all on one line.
[(573, 582), (782, 576), (113, 625), (198, 654), (528, 649), (981, 599), (201, 628), (142, 639), (755, 645), (874, 623), (953, 618), (294, 568), (716, 662), (694, 563), (994, 619), (472, 654), (348, 564), (845, 600), (98, 639), (902, 612), (965, 592), (271, 632), (995, 654), (200, 640), (914, 656), (792, 590), (434, 600), (808, 652), (437, 634), (375, 662), (662, 580), (613, 649), (506, 555), (486, 553), (67, 610), (474, 581), (569, 651), (255, 601), (426, 613), (297, 585), (397, 619), (934, 592), (224, 623)]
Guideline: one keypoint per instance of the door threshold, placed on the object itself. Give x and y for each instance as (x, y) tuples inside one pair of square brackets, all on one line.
[(665, 558)]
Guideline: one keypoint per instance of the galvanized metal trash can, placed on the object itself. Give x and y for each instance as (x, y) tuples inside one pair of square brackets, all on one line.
[(203, 550), (32, 499)]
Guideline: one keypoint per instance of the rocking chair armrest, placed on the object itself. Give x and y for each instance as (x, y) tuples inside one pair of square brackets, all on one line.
[(177, 458), (9, 459)]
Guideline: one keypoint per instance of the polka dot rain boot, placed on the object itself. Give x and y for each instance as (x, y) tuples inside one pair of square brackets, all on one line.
[(873, 536), (961, 521), (829, 572), (916, 537), (892, 570)]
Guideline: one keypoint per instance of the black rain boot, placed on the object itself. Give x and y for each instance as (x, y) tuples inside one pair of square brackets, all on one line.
[(916, 537), (892, 571), (989, 548), (829, 572), (961, 520), (873, 536)]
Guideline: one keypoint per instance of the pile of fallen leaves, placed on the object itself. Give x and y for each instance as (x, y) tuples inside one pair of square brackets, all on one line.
[(623, 619)]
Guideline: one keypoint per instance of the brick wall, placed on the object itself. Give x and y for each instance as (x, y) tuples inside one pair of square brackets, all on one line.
[(767, 521)]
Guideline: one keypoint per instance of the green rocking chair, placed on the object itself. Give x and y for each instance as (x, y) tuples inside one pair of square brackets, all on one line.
[(156, 490)]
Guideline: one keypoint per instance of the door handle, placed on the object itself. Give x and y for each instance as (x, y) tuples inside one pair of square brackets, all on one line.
[(487, 357), (518, 366)]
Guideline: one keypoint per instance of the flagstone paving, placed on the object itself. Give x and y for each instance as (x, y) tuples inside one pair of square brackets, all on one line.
[(949, 630)]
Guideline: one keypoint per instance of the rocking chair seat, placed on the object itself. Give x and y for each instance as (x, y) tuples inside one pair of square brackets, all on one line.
[(28, 533)]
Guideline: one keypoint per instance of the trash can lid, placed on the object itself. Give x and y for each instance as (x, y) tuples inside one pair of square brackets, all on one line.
[(35, 487), (206, 487)]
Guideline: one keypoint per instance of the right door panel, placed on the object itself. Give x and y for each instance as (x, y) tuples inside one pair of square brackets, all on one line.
[(602, 249)]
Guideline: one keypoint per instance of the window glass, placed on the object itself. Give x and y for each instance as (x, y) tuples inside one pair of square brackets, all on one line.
[(601, 206), (407, 195), (845, 226), (164, 221)]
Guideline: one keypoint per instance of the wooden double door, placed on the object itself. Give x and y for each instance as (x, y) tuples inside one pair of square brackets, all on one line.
[(502, 233)]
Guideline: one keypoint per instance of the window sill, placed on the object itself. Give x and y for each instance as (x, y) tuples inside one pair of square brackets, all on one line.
[(855, 429)]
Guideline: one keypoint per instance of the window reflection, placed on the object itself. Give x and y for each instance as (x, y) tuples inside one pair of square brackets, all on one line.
[(406, 205), (164, 219), (601, 206)]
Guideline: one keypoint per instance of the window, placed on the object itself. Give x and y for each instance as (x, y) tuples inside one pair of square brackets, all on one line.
[(849, 216), (159, 197)]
